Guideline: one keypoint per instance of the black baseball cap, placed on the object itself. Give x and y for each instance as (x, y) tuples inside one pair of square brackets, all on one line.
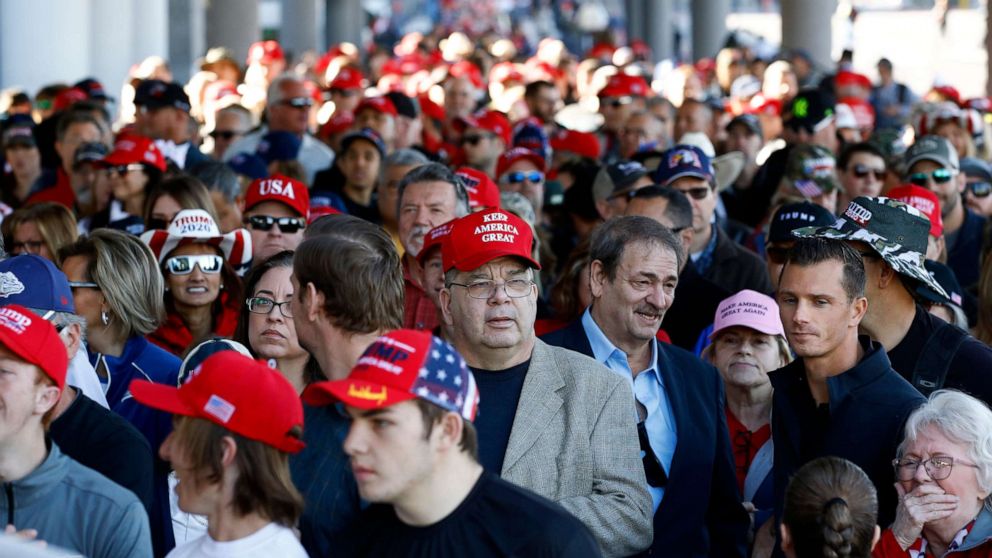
[(153, 93), (794, 216)]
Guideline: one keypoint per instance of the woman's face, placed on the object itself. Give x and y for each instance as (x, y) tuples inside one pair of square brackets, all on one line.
[(273, 335), (28, 240), (89, 301), (962, 481), (164, 209), (744, 356), (196, 288), (130, 184)]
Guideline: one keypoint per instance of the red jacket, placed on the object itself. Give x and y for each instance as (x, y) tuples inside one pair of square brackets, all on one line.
[(977, 543), (175, 337)]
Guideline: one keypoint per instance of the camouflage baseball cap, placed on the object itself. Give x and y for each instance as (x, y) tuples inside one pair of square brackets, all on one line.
[(932, 148), (811, 170), (896, 231)]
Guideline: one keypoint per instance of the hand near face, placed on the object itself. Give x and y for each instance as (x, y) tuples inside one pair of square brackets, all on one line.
[(25, 534), (924, 504)]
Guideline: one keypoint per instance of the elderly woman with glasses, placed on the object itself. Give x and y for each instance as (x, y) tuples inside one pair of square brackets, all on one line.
[(267, 328), (944, 481), (202, 287)]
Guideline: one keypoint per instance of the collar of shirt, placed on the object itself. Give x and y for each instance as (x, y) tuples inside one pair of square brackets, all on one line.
[(603, 350), (705, 258), (176, 152)]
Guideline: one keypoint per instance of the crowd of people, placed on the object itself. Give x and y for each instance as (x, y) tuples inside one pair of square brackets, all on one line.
[(454, 299)]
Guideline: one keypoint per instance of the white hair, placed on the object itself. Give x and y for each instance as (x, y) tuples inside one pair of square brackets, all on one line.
[(962, 419)]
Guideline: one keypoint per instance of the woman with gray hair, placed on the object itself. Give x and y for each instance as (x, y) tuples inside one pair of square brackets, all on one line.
[(118, 290), (944, 480)]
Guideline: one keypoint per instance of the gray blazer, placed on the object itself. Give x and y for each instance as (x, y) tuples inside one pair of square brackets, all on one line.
[(574, 441)]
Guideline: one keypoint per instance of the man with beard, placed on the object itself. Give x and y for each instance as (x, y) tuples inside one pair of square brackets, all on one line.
[(679, 400), (428, 196)]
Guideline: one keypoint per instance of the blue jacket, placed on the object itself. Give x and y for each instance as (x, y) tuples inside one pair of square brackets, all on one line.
[(868, 408), (143, 360), (701, 513), (78, 509)]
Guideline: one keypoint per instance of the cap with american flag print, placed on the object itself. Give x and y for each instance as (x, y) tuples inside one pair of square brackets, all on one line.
[(399, 366)]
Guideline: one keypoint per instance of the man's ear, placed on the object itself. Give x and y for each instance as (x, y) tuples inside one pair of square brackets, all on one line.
[(72, 337), (444, 299), (229, 451), (314, 302), (787, 545), (597, 278)]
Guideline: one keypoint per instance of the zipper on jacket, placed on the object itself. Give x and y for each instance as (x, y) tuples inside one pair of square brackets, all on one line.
[(9, 489)]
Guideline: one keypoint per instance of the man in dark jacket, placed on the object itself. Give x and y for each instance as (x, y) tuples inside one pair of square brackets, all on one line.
[(840, 396), (680, 403)]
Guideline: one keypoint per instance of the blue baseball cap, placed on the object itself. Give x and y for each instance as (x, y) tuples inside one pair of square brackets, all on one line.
[(250, 165), (34, 282), (683, 160), (367, 134), (279, 146)]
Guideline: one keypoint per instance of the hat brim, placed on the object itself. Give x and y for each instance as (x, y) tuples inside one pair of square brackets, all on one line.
[(356, 393), (159, 396), (476, 260), (741, 322), (728, 167), (235, 245), (688, 173), (907, 263)]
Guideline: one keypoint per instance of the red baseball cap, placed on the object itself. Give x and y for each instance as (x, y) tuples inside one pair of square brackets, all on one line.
[(340, 122), (282, 189), (69, 97), (510, 156), (402, 365), (347, 78), (864, 113), (435, 238), (623, 84), (35, 340), (378, 104), (846, 77), (488, 120), (320, 211), (580, 143), (132, 148), (464, 68), (482, 191), (926, 201), (243, 395), (265, 52), (479, 238)]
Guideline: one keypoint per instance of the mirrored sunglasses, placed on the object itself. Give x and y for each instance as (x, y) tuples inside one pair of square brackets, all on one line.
[(183, 265), (939, 176), (517, 177)]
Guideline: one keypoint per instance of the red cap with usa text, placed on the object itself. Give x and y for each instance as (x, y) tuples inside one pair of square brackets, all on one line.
[(243, 395), (482, 191), (34, 340), (479, 238), (282, 189)]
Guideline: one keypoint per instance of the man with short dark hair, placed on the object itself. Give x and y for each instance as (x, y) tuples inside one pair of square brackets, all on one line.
[(634, 270), (861, 169), (614, 184), (838, 383), (394, 168), (551, 420), (928, 352), (73, 130), (351, 186), (411, 400), (543, 100), (163, 115), (348, 290), (428, 196), (485, 135)]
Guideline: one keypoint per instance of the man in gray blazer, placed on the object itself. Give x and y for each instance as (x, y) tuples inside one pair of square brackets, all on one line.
[(551, 420)]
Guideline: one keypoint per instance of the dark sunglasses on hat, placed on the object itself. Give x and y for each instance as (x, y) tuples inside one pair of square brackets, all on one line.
[(939, 176), (474, 139), (122, 170), (287, 225), (183, 265), (225, 134), (298, 102), (699, 193), (618, 102), (518, 177), (980, 189), (861, 171)]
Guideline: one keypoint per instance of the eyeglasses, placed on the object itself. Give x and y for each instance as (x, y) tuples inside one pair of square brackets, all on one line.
[(83, 285), (183, 265), (619, 102), (938, 467), (474, 139), (287, 225), (699, 193), (28, 246), (939, 176), (980, 189), (297, 102), (122, 170), (225, 134), (263, 305), (483, 290), (534, 177), (862, 171)]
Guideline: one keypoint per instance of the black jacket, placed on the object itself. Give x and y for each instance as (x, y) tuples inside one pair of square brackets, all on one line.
[(701, 513), (734, 267)]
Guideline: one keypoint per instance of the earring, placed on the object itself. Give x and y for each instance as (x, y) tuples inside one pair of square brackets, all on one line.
[(222, 286), (104, 317)]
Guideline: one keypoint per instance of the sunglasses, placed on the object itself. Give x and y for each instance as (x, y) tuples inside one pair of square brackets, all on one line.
[(154, 224), (939, 176), (474, 139), (122, 170), (298, 102), (183, 265), (225, 134), (861, 171), (518, 177), (288, 225), (619, 102), (980, 189), (699, 193)]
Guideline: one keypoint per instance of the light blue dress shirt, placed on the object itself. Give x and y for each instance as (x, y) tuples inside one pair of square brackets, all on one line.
[(649, 390)]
